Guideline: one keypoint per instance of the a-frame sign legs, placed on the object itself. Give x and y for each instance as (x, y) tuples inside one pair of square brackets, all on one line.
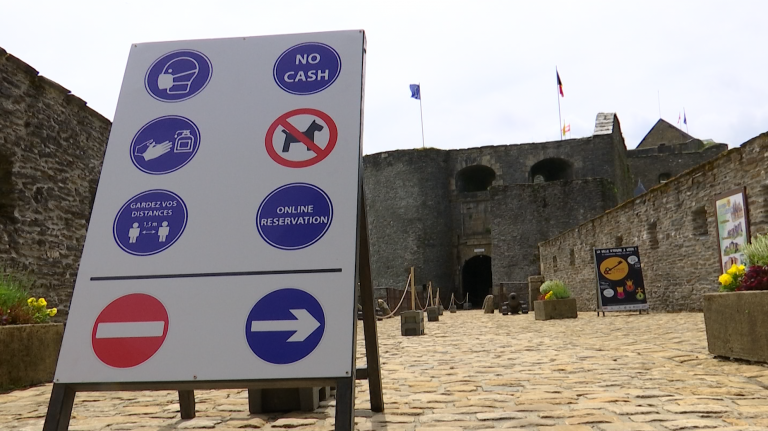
[(369, 315), (345, 404), (187, 404), (59, 408)]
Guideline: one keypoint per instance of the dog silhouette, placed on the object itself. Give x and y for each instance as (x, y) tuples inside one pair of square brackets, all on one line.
[(309, 133)]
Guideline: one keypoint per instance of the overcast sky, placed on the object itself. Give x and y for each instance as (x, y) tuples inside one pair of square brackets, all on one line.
[(487, 68)]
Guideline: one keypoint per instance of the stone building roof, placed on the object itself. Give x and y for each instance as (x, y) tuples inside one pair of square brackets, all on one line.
[(664, 133)]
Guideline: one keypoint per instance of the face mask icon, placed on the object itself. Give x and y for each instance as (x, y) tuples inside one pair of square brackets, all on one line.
[(178, 75)]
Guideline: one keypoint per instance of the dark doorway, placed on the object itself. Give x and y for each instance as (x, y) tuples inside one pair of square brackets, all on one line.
[(476, 279), (553, 169), (475, 178)]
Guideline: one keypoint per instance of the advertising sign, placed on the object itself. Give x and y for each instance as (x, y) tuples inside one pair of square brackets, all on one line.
[(223, 241), (620, 284), (732, 228)]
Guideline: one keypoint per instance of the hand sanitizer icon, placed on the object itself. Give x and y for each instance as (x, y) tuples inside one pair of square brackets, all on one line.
[(185, 142)]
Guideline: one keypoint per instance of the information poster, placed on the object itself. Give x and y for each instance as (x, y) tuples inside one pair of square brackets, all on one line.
[(732, 228), (620, 285)]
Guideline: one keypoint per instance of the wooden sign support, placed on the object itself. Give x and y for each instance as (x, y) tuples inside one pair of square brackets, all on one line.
[(63, 395)]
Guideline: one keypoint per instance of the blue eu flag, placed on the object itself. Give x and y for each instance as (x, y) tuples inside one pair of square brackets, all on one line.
[(416, 91)]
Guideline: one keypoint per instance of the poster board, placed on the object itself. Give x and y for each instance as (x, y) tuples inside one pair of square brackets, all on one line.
[(620, 285), (732, 219)]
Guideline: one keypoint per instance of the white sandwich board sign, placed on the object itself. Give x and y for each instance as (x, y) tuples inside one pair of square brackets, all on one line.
[(222, 245)]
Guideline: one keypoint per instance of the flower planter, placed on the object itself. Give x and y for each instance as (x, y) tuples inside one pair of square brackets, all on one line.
[(555, 309), (735, 324), (28, 354)]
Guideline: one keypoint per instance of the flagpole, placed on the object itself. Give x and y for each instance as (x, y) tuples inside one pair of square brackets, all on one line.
[(685, 117), (421, 112), (559, 117)]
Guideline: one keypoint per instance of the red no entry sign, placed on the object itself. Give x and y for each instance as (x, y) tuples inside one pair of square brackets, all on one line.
[(310, 132), (129, 330)]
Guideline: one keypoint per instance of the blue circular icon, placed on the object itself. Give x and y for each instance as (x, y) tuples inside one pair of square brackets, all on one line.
[(165, 144), (150, 222), (285, 326), (294, 216), (307, 68), (178, 75)]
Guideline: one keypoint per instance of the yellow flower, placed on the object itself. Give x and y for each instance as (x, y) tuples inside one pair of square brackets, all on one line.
[(733, 270), (725, 279), (52, 312), (41, 302), (31, 301), (549, 295), (742, 269)]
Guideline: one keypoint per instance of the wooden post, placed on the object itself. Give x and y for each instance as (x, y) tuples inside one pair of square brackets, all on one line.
[(438, 297), (429, 295), (413, 292)]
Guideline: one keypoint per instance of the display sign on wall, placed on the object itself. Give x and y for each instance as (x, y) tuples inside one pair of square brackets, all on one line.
[(620, 285), (732, 227)]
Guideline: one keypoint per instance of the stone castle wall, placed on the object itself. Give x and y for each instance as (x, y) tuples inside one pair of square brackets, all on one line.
[(649, 164), (523, 214), (409, 220), (51, 148), (675, 228)]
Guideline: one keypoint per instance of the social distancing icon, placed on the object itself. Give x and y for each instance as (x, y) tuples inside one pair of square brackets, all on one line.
[(301, 138)]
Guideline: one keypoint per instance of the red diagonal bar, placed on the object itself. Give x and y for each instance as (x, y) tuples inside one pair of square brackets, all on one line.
[(285, 124)]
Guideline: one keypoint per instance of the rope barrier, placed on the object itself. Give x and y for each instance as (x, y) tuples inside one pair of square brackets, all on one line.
[(407, 282)]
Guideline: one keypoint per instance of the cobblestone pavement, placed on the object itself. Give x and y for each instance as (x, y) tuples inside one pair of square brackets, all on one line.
[(477, 371)]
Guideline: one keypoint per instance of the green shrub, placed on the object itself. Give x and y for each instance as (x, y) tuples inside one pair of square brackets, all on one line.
[(16, 306), (14, 290), (757, 251), (558, 289)]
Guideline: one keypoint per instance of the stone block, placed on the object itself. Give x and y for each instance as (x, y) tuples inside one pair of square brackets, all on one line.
[(488, 305), (28, 354), (433, 314), (412, 323), (534, 284), (283, 400), (467, 305), (556, 309), (452, 308), (737, 325)]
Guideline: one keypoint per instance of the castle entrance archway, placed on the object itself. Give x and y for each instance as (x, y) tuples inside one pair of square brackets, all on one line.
[(476, 279)]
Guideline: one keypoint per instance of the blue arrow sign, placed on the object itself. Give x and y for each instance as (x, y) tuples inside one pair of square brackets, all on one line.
[(285, 326)]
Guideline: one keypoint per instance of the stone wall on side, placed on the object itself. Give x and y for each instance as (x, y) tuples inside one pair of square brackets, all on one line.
[(51, 149), (674, 225)]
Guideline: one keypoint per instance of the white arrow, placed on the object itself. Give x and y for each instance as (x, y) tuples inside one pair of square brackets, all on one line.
[(304, 325)]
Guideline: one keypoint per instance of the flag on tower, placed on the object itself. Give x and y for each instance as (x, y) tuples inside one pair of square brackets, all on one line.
[(685, 120), (559, 84), (416, 91), (566, 128)]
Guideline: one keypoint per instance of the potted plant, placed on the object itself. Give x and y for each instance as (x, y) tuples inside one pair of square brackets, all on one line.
[(29, 343), (555, 302), (734, 318)]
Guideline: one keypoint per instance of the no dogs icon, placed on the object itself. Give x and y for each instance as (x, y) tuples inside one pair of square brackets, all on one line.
[(301, 138)]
